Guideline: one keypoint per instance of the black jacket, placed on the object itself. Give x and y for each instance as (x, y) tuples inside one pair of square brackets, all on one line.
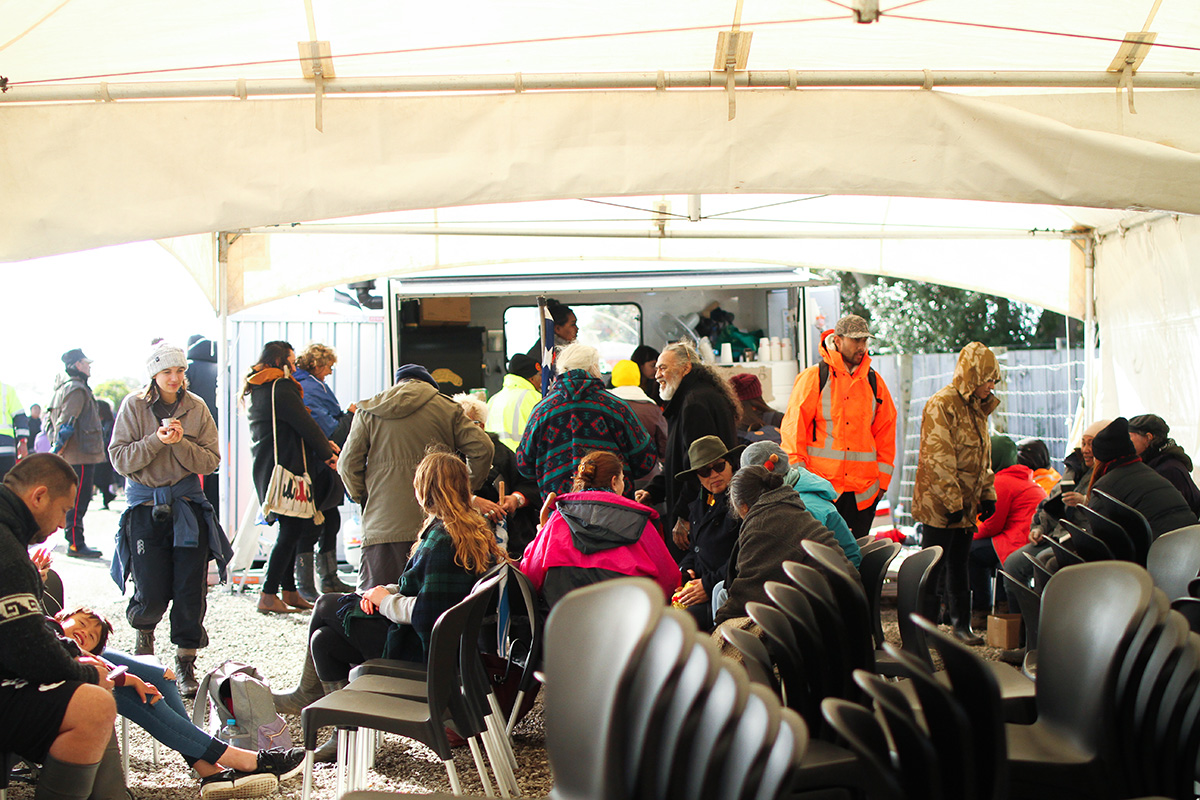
[(714, 532), (28, 649), (698, 408), (297, 429), (1173, 463), (1140, 486)]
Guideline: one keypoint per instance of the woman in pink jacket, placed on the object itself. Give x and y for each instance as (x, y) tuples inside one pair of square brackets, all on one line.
[(595, 535)]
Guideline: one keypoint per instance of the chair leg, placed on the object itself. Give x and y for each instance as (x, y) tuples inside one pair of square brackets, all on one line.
[(455, 787), (342, 752), (498, 752), (481, 769), (512, 719), (496, 720), (125, 746), (308, 769)]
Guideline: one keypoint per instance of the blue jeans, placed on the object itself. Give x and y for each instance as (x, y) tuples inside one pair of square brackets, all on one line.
[(167, 720)]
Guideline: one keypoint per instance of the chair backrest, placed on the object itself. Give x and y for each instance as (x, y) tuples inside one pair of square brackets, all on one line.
[(978, 692), (1090, 613), (1064, 556), (1140, 648), (691, 691), (590, 647), (1182, 730), (749, 745), (1161, 734), (783, 763), (710, 733), (920, 769), (654, 680), (819, 666), (873, 570), (1189, 607), (861, 731), (785, 652), (832, 629), (1030, 603), (755, 657), (1041, 573), (912, 593), (1174, 560), (1088, 546), (449, 680), (950, 729), (1136, 526), (1112, 533), (847, 589)]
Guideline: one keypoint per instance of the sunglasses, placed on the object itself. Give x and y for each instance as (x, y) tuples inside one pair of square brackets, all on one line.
[(716, 466)]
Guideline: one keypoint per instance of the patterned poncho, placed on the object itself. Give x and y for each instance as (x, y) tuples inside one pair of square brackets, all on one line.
[(577, 416)]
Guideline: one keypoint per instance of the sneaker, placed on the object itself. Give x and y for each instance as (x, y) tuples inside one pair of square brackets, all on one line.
[(283, 763), (230, 783), (83, 551)]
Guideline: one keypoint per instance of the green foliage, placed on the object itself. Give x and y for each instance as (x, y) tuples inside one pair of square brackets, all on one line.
[(913, 317), (115, 390)]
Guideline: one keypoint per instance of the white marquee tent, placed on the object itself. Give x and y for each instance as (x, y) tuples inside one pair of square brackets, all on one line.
[(1035, 150)]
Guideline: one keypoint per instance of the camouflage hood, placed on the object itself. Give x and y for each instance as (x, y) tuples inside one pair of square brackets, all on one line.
[(976, 365)]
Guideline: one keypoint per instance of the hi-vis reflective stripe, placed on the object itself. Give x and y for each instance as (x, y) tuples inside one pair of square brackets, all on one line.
[(843, 455), (886, 469), (867, 494), (8, 449), (514, 429), (827, 413)]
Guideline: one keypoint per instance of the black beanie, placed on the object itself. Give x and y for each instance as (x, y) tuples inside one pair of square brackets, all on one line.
[(416, 372), (1113, 442), (522, 366)]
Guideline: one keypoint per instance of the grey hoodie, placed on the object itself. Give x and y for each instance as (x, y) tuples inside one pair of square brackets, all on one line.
[(388, 438), (598, 525)]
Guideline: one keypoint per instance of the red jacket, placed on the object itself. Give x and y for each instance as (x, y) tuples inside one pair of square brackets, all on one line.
[(1017, 498)]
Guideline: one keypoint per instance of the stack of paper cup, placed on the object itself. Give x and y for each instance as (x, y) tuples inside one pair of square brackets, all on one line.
[(727, 353)]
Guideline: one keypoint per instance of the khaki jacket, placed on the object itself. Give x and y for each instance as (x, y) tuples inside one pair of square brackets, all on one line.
[(138, 453), (388, 439), (954, 469)]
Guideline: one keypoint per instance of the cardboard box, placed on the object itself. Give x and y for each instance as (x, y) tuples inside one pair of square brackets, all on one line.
[(1004, 631), (445, 311)]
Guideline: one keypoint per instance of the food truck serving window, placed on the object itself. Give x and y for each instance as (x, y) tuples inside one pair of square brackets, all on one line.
[(614, 329)]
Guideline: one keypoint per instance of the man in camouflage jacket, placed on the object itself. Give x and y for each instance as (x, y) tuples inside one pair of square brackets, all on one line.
[(954, 482)]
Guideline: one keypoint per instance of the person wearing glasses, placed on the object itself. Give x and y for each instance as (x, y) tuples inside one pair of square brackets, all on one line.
[(714, 527)]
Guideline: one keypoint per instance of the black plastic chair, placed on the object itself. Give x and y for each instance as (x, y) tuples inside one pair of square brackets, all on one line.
[(1156, 736), (1134, 522), (1065, 557), (1088, 546), (818, 679), (918, 761), (748, 746), (1139, 705), (1176, 756), (784, 651), (778, 772), (839, 658), (1090, 613), (974, 684), (690, 691), (1031, 612), (1111, 533), (755, 657), (1041, 572), (1174, 560), (859, 729), (873, 571), (423, 720), (708, 735), (846, 585), (1189, 607), (912, 594)]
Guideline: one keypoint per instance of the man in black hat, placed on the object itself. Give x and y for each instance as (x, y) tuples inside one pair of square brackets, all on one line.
[(1151, 439), (1120, 473), (73, 425)]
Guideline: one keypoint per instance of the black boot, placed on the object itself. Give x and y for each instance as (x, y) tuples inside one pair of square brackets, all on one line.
[(328, 570), (304, 577), (309, 690), (185, 673), (145, 643), (960, 620)]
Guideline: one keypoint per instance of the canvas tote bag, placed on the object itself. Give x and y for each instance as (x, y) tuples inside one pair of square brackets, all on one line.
[(288, 494)]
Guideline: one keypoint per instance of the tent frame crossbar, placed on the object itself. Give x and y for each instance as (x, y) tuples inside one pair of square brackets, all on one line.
[(35, 92)]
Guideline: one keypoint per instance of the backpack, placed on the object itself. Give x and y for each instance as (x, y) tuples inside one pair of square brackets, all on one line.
[(239, 690)]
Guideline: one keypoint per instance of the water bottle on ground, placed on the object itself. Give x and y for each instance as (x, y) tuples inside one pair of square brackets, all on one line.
[(235, 735)]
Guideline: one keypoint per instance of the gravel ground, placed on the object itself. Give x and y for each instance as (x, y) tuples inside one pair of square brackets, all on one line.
[(275, 644)]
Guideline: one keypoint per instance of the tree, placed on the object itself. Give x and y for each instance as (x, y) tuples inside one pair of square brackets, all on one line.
[(914, 317), (115, 390)]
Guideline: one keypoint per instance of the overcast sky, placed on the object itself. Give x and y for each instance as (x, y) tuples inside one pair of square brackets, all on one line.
[(110, 302)]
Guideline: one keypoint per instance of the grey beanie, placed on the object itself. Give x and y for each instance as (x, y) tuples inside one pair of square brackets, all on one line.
[(165, 356), (759, 455)]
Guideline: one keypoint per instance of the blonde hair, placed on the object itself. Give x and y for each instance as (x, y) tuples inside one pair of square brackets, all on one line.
[(443, 488), (472, 407), (315, 356)]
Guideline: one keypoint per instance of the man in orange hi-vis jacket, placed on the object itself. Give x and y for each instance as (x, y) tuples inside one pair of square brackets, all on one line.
[(841, 423)]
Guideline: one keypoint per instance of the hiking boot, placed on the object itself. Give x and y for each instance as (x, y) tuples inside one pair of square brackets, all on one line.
[(230, 783), (282, 763), (185, 677), (308, 691), (145, 643), (327, 568), (305, 585), (83, 551)]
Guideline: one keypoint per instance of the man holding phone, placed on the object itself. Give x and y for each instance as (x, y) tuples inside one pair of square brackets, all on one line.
[(55, 710)]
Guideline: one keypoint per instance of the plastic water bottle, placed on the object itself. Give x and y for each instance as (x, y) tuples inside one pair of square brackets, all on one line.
[(235, 735)]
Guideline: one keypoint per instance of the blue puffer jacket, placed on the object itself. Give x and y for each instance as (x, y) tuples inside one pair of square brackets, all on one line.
[(320, 401), (818, 495)]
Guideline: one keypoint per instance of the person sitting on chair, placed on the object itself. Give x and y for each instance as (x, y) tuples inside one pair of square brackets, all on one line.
[(1150, 435)]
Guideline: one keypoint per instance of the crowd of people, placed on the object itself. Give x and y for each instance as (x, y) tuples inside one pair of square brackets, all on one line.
[(673, 472)]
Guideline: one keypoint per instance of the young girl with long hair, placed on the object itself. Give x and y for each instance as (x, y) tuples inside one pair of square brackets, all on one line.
[(455, 548), (595, 534)]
